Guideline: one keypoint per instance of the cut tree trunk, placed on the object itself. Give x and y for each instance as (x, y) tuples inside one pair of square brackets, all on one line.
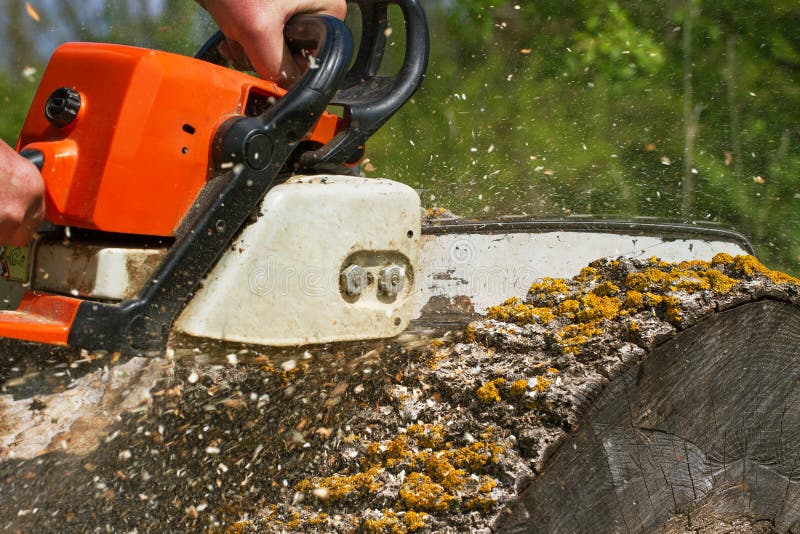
[(705, 429), (639, 396)]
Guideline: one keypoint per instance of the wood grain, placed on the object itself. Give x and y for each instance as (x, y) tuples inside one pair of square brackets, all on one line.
[(707, 425)]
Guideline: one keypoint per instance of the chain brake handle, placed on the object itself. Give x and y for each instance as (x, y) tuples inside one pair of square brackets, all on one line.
[(368, 100)]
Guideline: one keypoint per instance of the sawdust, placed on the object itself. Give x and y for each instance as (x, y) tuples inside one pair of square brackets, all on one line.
[(386, 439)]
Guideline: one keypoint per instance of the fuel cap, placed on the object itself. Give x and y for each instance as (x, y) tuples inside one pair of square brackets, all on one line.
[(62, 106)]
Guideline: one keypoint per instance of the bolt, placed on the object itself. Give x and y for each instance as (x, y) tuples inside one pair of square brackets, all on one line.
[(354, 280), (258, 151), (391, 281)]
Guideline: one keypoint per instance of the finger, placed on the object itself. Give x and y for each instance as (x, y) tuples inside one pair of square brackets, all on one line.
[(270, 55), (234, 54)]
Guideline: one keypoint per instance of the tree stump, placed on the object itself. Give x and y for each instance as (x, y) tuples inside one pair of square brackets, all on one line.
[(640, 396), (705, 428)]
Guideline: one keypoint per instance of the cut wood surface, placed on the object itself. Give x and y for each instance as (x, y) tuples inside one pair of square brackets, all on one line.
[(707, 424), (639, 396)]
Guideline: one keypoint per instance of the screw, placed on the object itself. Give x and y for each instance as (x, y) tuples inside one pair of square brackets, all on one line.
[(391, 281), (354, 280)]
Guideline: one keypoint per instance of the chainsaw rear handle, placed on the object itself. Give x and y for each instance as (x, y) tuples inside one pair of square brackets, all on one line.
[(34, 156), (368, 100)]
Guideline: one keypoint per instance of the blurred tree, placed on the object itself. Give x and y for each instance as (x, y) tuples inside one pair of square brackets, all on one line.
[(555, 107)]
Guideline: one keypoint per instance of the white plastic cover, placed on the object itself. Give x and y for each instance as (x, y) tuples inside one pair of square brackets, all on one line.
[(279, 282)]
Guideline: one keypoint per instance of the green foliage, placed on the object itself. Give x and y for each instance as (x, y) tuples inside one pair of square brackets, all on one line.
[(16, 98), (561, 107)]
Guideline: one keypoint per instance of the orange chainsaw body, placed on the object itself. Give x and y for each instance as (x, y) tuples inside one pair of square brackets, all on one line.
[(137, 154)]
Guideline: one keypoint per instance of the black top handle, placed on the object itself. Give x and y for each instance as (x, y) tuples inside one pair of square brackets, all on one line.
[(368, 100), (313, 92)]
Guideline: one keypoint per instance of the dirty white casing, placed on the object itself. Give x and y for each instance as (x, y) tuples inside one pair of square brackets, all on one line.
[(279, 282)]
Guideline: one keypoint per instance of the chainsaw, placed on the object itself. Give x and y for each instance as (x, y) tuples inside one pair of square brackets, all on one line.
[(184, 197)]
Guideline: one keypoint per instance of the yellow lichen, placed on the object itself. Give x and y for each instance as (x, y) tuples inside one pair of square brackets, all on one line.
[(606, 289), (294, 522), (722, 259), (572, 336), (569, 306), (420, 493), (542, 384), (587, 274), (647, 279), (318, 520), (514, 311), (488, 393), (719, 282), (387, 523), (240, 527), (469, 334), (482, 501), (518, 388), (548, 290), (749, 266), (438, 467), (673, 310), (594, 307), (475, 456), (633, 300), (428, 436), (340, 486), (415, 520)]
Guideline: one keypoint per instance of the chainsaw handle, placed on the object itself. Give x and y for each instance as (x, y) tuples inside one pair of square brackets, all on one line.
[(253, 141), (368, 100), (325, 34)]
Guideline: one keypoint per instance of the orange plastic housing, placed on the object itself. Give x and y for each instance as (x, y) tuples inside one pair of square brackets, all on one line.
[(138, 152), (40, 318)]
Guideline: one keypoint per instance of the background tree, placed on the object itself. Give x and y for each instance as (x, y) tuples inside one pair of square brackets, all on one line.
[(551, 108)]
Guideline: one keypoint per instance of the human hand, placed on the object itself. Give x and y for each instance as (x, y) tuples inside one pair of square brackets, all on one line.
[(254, 32), (21, 198)]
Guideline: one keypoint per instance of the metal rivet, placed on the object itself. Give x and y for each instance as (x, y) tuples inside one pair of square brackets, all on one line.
[(354, 280), (391, 281)]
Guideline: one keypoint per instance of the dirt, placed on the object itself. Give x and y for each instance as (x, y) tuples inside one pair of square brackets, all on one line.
[(435, 436)]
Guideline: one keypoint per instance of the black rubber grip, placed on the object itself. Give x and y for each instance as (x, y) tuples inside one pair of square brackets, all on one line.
[(34, 156)]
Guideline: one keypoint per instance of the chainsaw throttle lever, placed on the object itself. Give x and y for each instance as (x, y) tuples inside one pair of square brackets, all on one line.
[(34, 156)]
